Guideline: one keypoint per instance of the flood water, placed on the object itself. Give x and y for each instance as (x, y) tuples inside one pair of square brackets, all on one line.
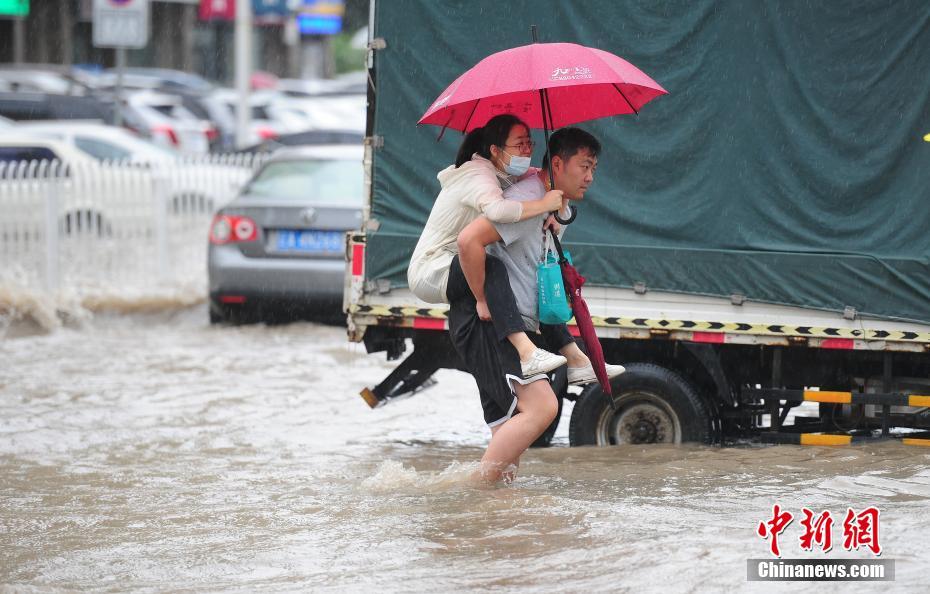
[(152, 452)]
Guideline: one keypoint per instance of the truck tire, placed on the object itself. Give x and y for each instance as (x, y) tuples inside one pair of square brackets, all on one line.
[(654, 405)]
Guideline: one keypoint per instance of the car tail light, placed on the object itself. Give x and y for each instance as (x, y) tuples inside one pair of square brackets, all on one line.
[(168, 131), (266, 133), (232, 229), (212, 133)]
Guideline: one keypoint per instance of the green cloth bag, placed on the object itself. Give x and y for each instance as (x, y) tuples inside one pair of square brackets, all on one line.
[(553, 302)]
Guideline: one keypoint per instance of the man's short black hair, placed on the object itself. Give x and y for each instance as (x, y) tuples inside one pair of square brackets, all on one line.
[(568, 142)]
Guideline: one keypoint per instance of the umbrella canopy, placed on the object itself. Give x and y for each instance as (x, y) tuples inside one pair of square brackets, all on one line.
[(580, 83)]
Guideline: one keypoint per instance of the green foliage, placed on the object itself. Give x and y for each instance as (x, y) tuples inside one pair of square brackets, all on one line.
[(346, 57)]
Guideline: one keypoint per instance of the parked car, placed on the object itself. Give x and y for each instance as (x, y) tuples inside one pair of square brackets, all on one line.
[(44, 78), (355, 82), (194, 92), (321, 112), (308, 137), (277, 251), (102, 197), (188, 184), (156, 78), (170, 123), (263, 124), (101, 141), (18, 105), (82, 213)]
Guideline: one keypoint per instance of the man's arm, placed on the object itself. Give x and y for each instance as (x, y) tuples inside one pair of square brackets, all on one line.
[(479, 234)]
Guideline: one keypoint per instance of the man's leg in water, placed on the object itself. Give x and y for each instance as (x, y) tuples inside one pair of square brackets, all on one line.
[(537, 406)]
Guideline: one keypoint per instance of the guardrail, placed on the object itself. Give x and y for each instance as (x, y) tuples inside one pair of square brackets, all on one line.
[(113, 227)]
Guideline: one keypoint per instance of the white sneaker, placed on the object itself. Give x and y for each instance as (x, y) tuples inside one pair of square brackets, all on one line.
[(579, 376), (541, 362)]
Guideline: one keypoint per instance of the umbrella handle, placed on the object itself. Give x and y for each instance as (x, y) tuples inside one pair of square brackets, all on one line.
[(571, 217), (558, 246)]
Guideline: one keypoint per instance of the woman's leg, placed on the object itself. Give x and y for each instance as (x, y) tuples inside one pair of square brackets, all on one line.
[(505, 315), (537, 406), (558, 339)]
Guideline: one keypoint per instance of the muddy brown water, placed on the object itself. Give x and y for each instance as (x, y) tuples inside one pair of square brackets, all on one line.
[(152, 452)]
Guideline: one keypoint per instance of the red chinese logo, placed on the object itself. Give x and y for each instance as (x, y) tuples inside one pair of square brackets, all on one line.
[(774, 527), (817, 531), (861, 530)]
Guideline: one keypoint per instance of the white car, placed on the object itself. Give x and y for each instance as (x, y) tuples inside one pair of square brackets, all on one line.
[(100, 141), (264, 123), (87, 152), (170, 123), (91, 199), (323, 112)]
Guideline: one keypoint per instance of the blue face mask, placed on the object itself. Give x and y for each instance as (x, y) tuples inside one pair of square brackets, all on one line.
[(517, 165)]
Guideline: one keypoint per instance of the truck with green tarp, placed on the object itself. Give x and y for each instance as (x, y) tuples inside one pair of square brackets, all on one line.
[(756, 243)]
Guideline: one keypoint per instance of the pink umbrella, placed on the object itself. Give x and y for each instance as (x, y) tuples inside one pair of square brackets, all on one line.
[(573, 82)]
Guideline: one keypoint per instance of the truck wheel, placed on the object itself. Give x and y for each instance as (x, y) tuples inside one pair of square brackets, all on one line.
[(653, 405)]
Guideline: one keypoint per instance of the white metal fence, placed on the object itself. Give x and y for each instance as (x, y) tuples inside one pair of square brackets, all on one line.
[(116, 228)]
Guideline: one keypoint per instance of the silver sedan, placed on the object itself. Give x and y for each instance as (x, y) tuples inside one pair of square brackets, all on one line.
[(277, 251)]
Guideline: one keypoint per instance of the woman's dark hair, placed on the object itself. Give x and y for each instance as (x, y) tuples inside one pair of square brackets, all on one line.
[(480, 140)]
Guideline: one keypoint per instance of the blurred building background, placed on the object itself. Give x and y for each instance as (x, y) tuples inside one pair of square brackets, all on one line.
[(291, 38)]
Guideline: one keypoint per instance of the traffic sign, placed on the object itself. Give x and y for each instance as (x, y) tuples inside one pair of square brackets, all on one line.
[(121, 23), (18, 8)]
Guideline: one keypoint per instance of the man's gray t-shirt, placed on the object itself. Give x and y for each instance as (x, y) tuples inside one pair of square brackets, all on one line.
[(521, 250)]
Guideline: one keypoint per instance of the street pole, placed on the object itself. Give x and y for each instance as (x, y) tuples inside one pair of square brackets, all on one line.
[(19, 40), (120, 67), (243, 69)]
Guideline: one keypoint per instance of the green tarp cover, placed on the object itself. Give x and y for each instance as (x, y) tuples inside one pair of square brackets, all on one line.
[(787, 164)]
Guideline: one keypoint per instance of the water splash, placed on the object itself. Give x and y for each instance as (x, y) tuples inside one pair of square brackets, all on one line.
[(393, 476)]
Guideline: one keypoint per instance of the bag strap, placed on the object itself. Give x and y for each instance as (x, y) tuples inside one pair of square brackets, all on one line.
[(558, 246)]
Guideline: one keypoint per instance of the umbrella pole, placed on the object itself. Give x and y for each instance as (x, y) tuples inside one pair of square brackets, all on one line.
[(547, 123)]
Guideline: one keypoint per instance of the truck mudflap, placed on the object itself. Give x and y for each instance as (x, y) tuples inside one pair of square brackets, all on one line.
[(431, 351)]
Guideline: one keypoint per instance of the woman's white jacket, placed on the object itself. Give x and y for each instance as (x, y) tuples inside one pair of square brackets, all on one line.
[(467, 192)]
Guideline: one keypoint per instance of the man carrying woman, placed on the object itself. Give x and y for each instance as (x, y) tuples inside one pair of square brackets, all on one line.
[(519, 246), (509, 368)]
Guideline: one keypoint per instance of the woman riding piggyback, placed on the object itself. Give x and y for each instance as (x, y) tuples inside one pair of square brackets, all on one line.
[(486, 165)]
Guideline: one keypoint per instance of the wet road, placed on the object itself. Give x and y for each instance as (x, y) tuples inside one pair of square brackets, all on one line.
[(151, 452)]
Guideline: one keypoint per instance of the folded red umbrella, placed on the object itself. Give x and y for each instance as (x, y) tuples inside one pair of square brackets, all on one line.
[(573, 283)]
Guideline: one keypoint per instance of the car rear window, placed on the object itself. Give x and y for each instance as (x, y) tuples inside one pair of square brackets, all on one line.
[(314, 182), (26, 153), (101, 150)]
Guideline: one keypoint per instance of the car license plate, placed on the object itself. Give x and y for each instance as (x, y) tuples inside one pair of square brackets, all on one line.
[(310, 241)]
